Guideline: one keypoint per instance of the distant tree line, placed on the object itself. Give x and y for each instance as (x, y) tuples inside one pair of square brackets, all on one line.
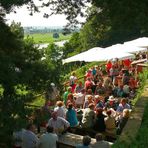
[(64, 31)]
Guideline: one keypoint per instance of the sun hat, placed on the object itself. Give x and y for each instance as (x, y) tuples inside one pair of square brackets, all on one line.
[(111, 98)]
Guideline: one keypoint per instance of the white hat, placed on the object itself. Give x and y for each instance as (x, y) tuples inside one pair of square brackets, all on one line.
[(111, 98), (52, 84)]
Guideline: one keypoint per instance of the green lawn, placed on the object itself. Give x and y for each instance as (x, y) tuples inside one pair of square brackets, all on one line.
[(47, 37)]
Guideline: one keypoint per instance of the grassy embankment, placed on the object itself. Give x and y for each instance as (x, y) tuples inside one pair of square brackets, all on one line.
[(40, 38)]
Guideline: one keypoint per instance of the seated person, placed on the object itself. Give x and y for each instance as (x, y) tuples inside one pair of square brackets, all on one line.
[(60, 109), (99, 124), (99, 89), (71, 116), (86, 142), (48, 139), (110, 123), (29, 138), (123, 105), (111, 103), (88, 101), (59, 124), (122, 121), (100, 143), (98, 102), (88, 116)]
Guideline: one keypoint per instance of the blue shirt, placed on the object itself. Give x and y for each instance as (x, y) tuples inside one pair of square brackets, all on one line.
[(72, 117)]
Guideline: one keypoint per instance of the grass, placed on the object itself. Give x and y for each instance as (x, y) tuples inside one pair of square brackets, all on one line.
[(141, 140), (47, 37)]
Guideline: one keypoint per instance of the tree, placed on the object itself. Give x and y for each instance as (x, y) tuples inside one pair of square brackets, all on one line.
[(126, 19), (22, 74), (55, 35)]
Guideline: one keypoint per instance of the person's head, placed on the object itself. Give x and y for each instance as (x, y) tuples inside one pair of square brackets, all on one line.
[(99, 137), (80, 83), (89, 79), (90, 98), (91, 106), (100, 84), (59, 103), (97, 98), (70, 96), (69, 106), (52, 85), (31, 127), (69, 89), (54, 115), (123, 101), (86, 140), (99, 111), (49, 129), (111, 100), (109, 112), (126, 113), (89, 91)]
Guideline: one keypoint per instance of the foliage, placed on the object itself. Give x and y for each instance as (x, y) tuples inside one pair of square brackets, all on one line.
[(73, 46), (22, 74), (127, 19)]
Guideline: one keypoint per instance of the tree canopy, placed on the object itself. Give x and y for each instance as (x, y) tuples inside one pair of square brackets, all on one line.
[(23, 72)]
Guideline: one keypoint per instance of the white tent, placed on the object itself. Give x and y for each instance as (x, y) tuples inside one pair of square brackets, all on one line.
[(140, 42), (121, 51), (84, 56), (111, 52)]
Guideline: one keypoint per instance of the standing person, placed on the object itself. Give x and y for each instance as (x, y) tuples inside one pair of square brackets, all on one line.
[(86, 142), (100, 143), (79, 87), (72, 81), (54, 93), (49, 139), (65, 96), (29, 139), (88, 84)]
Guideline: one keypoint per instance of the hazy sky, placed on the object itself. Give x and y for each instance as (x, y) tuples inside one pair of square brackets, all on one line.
[(37, 19)]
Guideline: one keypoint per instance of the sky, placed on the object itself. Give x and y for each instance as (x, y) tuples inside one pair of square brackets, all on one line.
[(37, 19)]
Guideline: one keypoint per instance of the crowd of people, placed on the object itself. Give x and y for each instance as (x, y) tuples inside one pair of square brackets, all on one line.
[(100, 105)]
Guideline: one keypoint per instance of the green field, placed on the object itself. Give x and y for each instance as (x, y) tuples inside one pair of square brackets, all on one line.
[(47, 37)]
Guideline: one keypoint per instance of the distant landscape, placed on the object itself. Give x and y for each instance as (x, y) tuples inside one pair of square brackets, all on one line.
[(47, 34)]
